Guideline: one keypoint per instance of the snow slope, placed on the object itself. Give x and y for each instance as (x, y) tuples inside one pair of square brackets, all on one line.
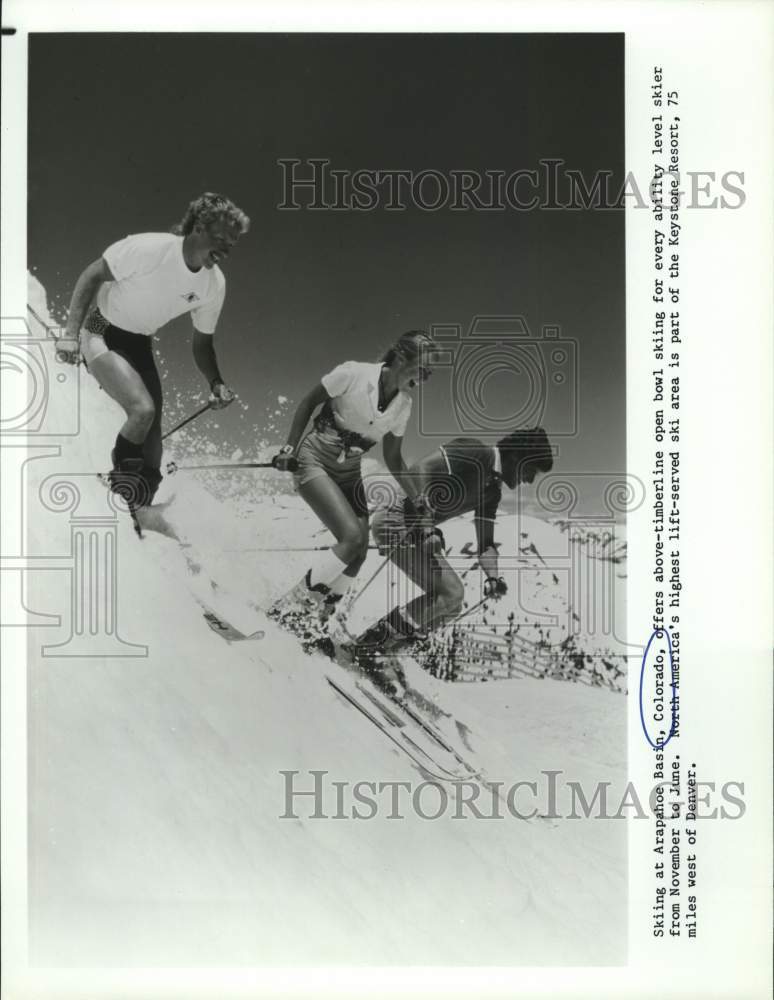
[(155, 789)]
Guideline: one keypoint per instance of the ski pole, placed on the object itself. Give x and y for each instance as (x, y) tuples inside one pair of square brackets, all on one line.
[(173, 467), (290, 548), (397, 545), (46, 326), (186, 421), (371, 579), (467, 612), (380, 567)]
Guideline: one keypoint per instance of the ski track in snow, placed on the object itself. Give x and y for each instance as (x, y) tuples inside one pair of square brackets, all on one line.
[(154, 784)]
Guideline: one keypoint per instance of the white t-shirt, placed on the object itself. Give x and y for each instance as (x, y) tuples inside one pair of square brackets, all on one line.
[(154, 285), (354, 388)]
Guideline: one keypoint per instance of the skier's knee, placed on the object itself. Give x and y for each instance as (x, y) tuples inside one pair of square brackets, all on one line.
[(353, 547), (450, 596), (143, 413)]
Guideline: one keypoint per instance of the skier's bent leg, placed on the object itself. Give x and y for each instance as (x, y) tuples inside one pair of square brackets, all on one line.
[(332, 507), (123, 384), (443, 603), (313, 595), (139, 419), (356, 564), (404, 625), (355, 493), (152, 446), (426, 565), (395, 629)]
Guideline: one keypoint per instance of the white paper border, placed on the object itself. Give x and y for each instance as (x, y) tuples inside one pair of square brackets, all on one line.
[(720, 55)]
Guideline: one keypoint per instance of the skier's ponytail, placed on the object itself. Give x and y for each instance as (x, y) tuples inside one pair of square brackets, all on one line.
[(410, 345)]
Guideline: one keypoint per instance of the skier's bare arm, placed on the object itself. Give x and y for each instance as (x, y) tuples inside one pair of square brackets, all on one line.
[(304, 411), (86, 288), (205, 357), (207, 363), (488, 561), (494, 585)]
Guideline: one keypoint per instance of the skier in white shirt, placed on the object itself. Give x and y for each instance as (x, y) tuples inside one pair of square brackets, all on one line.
[(120, 301), (360, 404)]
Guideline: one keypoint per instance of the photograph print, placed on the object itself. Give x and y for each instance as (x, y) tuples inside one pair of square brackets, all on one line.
[(327, 658)]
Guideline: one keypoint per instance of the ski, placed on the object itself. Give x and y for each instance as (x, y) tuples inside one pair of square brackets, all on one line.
[(427, 728), (392, 717), (397, 712), (215, 621), (434, 734), (225, 629), (397, 717), (404, 743)]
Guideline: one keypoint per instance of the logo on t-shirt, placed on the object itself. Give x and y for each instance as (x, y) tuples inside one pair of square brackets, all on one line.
[(191, 297)]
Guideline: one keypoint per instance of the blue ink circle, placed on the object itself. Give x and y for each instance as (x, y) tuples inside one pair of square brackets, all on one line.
[(656, 634)]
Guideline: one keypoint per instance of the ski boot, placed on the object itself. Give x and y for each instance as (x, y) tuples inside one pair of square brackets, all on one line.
[(127, 480), (152, 478), (299, 609), (133, 481), (328, 606)]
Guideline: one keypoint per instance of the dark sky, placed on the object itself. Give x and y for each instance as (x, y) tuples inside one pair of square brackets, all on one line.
[(125, 129)]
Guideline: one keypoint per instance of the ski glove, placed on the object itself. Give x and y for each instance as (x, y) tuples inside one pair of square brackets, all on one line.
[(284, 460), (220, 395), (495, 587), (68, 350)]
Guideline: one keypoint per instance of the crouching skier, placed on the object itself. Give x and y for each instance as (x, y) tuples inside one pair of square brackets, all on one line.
[(463, 475), (361, 404)]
